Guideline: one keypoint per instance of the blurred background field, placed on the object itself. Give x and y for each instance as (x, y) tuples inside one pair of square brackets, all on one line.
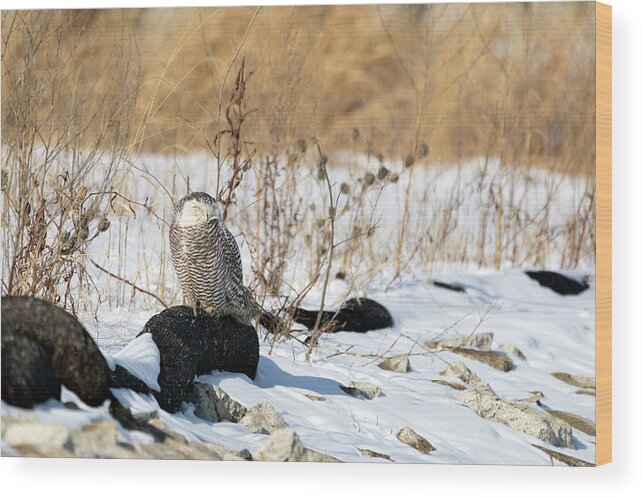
[(356, 143), (515, 81)]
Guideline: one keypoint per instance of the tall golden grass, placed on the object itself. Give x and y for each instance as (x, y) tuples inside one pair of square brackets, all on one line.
[(514, 81)]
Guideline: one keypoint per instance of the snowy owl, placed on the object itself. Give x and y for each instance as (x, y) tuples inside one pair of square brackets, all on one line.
[(207, 260)]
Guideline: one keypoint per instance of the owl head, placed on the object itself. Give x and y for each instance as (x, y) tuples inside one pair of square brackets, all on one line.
[(195, 208)]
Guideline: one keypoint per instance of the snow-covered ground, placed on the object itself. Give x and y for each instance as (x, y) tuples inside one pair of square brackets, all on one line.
[(555, 333)]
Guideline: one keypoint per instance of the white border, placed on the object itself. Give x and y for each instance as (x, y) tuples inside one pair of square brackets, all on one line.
[(53, 477)]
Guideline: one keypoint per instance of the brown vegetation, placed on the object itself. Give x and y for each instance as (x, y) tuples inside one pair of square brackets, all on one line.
[(514, 81)]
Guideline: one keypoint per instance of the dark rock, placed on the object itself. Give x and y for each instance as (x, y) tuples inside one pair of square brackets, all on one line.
[(28, 377), (452, 287), (558, 283), (195, 345), (356, 315), (60, 343)]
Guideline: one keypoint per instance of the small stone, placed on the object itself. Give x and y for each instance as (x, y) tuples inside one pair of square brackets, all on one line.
[(510, 348), (448, 383), (364, 389), (205, 402), (285, 446), (460, 370), (576, 380), (398, 363), (314, 397), (262, 418), (374, 454), (213, 404), (566, 459), (481, 341), (576, 421), (499, 361), (518, 416), (26, 435), (413, 439), (228, 408)]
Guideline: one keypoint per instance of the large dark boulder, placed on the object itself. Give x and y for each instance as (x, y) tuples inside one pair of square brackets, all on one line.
[(28, 376), (45, 347), (558, 283), (195, 345), (356, 315)]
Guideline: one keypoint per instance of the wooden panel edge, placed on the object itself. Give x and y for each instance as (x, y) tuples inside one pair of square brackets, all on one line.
[(603, 233)]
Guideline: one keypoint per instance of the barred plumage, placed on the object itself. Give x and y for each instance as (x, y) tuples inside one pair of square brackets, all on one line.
[(207, 260)]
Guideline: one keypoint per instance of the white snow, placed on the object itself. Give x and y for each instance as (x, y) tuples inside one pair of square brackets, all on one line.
[(556, 333), (141, 358)]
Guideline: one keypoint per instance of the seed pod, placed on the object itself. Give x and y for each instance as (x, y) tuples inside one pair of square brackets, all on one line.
[(409, 161), (394, 178), (90, 214), (302, 145), (379, 157), (369, 178), (355, 135), (321, 172), (423, 150), (323, 160), (382, 173), (83, 233), (4, 180), (82, 193), (345, 188), (68, 246), (104, 224)]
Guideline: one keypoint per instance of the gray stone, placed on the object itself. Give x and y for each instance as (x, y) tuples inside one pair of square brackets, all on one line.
[(213, 404), (262, 418), (481, 341), (285, 446), (228, 408), (518, 416), (413, 439), (576, 421), (101, 440), (568, 460), (204, 400), (576, 380), (399, 363), (33, 436), (511, 348), (449, 383), (499, 361), (460, 370), (362, 389), (374, 454)]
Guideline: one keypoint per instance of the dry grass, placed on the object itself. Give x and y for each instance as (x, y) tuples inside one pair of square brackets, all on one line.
[(513, 81), (387, 90)]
